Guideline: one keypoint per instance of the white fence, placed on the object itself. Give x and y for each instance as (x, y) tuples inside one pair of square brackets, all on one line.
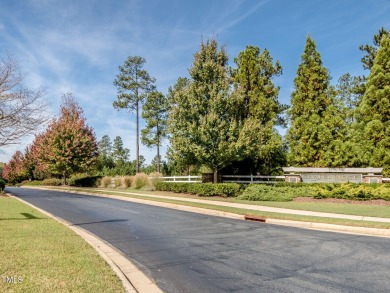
[(187, 179), (228, 179)]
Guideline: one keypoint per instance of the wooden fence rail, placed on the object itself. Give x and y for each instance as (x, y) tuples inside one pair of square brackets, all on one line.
[(228, 179), (187, 179)]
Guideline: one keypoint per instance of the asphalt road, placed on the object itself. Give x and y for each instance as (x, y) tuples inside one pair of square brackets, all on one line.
[(188, 252)]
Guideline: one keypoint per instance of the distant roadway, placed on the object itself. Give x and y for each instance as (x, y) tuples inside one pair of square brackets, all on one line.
[(189, 252)]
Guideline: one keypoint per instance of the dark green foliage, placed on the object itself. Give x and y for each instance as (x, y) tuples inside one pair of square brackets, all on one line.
[(257, 108), (201, 189), (120, 155), (52, 182), (317, 131), (2, 184), (262, 192), (375, 110), (85, 181)]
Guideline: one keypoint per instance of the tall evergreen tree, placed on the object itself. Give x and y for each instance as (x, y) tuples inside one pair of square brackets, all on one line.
[(372, 50), (119, 153), (133, 83), (258, 108), (375, 109), (314, 125), (105, 153), (202, 124), (155, 113)]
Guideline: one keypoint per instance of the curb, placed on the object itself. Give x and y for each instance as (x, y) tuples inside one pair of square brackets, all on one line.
[(133, 279), (297, 224), (333, 228)]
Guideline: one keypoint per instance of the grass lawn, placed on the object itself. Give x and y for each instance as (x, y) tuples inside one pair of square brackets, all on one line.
[(44, 256), (345, 208)]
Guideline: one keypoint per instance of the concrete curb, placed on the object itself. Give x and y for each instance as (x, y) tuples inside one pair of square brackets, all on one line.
[(133, 279), (333, 228), (298, 224)]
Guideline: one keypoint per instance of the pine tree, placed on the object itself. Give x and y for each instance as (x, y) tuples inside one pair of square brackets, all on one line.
[(155, 113), (119, 153), (375, 109), (133, 83), (371, 51), (105, 159), (314, 125), (202, 124)]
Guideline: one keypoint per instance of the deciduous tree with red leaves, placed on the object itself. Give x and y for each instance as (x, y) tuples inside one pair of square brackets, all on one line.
[(13, 171), (69, 145)]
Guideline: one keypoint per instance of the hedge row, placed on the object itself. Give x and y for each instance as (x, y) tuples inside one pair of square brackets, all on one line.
[(87, 181), (354, 191), (201, 189), (285, 192), (262, 192)]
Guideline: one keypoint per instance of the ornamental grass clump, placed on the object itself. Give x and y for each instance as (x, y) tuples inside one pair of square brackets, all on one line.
[(126, 181), (140, 180), (154, 178), (106, 181), (117, 182)]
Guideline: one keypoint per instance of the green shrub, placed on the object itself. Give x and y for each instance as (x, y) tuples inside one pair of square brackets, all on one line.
[(31, 183), (262, 192), (126, 181), (163, 186), (84, 181), (52, 182), (2, 184), (354, 191), (106, 181), (201, 189), (140, 180)]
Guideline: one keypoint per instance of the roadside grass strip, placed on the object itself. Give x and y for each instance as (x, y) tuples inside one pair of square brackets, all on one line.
[(38, 254), (240, 211)]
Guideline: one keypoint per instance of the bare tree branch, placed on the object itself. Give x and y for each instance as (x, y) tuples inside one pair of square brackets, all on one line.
[(22, 111)]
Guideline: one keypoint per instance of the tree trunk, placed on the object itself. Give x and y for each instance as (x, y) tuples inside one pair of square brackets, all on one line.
[(158, 158), (137, 147), (215, 175), (64, 175)]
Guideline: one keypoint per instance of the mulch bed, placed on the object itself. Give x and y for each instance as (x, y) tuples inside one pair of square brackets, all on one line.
[(338, 200)]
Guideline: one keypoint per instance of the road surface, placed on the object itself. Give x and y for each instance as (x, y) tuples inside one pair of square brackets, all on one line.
[(189, 252)]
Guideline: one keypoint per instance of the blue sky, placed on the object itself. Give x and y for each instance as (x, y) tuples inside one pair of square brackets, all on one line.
[(77, 45)]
